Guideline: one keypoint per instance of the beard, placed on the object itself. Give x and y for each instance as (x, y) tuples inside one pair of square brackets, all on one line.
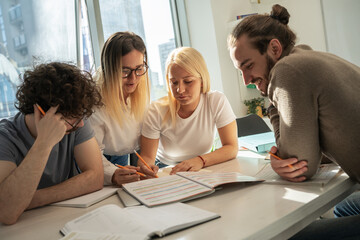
[(270, 64)]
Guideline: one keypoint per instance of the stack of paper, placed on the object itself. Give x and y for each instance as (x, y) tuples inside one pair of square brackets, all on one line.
[(261, 142)]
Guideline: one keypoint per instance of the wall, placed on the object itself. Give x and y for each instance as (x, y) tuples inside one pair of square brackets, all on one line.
[(203, 37), (210, 22), (342, 20)]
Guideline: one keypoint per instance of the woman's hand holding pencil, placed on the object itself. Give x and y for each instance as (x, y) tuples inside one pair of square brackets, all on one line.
[(126, 174), (149, 171), (290, 169)]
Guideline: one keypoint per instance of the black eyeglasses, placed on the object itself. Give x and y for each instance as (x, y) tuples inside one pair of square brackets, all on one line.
[(74, 126), (139, 71)]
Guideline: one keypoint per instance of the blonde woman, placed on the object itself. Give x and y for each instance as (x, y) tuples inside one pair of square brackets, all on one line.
[(180, 128), (124, 85)]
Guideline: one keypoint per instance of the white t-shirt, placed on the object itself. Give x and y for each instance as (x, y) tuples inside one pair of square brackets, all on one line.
[(114, 139), (191, 136)]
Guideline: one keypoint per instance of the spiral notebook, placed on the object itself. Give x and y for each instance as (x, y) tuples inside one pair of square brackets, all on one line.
[(182, 186)]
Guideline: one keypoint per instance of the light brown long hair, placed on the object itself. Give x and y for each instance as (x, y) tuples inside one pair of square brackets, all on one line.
[(109, 76)]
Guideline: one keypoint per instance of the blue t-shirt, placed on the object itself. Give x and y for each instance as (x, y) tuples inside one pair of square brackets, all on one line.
[(16, 140)]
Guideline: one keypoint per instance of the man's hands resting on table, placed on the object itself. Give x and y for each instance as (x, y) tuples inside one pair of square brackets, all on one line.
[(284, 169)]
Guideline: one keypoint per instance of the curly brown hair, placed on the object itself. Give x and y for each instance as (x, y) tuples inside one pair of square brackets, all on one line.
[(60, 84)]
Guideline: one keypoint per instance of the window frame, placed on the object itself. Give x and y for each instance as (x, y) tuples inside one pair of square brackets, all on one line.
[(178, 13), (179, 23), (179, 18)]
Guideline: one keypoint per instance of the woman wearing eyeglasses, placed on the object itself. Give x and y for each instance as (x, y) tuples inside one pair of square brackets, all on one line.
[(180, 129), (124, 86)]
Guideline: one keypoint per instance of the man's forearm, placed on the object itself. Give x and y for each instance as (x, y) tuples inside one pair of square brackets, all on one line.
[(17, 189), (86, 182), (274, 119)]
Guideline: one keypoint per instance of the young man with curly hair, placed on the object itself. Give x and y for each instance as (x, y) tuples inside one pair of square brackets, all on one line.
[(48, 152)]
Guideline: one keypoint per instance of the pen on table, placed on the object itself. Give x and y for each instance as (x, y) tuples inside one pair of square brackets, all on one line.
[(139, 173), (40, 109), (289, 165), (144, 162)]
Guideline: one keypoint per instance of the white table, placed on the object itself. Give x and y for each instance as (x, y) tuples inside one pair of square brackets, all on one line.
[(248, 211)]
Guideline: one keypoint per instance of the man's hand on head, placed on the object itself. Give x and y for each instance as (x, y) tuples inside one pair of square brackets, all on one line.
[(50, 128)]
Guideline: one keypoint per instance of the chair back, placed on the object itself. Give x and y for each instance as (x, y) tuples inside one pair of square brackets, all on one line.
[(251, 124)]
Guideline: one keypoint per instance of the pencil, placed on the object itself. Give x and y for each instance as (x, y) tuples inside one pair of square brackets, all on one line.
[(138, 173), (278, 158), (40, 109), (144, 162)]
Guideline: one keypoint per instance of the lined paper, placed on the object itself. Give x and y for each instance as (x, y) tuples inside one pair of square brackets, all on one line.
[(165, 189), (213, 180)]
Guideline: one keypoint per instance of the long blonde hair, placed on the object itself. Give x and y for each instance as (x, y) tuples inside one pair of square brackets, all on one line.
[(191, 61), (109, 77)]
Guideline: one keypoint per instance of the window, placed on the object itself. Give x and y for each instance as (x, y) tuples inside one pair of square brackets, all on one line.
[(152, 21), (15, 13), (32, 31), (37, 31), (85, 47), (2, 29), (19, 41)]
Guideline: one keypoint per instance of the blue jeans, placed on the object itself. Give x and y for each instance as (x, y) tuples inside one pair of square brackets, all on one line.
[(160, 164), (124, 159), (121, 160), (349, 206)]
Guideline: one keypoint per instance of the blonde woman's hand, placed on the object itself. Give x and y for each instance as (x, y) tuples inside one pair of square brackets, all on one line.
[(149, 173), (193, 164)]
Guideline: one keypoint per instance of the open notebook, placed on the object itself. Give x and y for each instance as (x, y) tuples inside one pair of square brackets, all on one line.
[(138, 222), (324, 174), (182, 187)]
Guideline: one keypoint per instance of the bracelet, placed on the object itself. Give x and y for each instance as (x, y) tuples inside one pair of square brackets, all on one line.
[(202, 159)]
